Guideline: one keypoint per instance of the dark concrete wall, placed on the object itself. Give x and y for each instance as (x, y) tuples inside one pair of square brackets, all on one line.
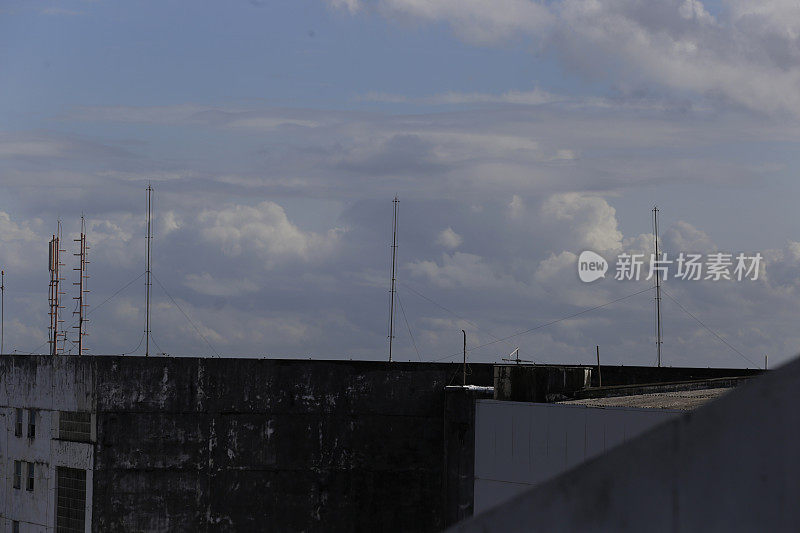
[(459, 448), (550, 383), (539, 383), (187, 444), (636, 375)]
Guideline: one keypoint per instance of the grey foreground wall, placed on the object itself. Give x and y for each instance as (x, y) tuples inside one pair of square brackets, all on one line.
[(732, 465), (519, 445)]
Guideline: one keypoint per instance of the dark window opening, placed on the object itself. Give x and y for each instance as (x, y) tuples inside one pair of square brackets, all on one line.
[(75, 426), (31, 424), (70, 500), (30, 477), (18, 425), (17, 474)]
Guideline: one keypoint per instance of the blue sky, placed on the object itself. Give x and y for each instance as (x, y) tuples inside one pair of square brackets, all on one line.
[(516, 134)]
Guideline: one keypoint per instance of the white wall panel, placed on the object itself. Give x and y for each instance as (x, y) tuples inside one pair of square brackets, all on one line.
[(518, 444)]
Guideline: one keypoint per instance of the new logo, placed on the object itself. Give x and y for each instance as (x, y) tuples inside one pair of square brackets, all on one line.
[(591, 266)]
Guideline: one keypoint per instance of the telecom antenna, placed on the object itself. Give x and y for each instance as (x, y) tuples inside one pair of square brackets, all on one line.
[(394, 266), (658, 285), (55, 291), (148, 283), (513, 357), (81, 284)]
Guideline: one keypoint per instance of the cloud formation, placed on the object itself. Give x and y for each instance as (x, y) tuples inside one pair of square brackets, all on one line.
[(264, 229), (747, 55)]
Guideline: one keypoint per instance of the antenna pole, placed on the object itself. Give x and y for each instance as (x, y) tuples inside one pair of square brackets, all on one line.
[(394, 271), (53, 291), (147, 279), (82, 262), (658, 286), (464, 367), (2, 309), (599, 376)]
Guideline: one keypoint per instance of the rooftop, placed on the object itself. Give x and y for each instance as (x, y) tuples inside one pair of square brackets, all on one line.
[(682, 400)]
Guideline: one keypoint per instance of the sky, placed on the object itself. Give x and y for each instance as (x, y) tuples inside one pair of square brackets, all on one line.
[(515, 133)]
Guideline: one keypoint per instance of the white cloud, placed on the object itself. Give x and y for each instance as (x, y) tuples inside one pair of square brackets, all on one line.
[(11, 231), (270, 123), (30, 148), (683, 237), (18, 244), (169, 222), (749, 57), (477, 20), (208, 285), (463, 270), (590, 217), (263, 229), (449, 239), (516, 207), (534, 97)]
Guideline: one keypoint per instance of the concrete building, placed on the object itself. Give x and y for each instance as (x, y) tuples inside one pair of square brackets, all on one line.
[(519, 445), (46, 447), (729, 465), (193, 444), (190, 444)]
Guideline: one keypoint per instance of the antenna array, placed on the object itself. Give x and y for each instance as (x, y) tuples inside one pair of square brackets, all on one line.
[(55, 265), (82, 290)]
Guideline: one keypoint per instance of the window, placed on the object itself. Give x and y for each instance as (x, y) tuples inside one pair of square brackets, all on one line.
[(30, 477), (70, 500), (17, 474), (75, 426), (15, 526), (18, 426), (31, 424)]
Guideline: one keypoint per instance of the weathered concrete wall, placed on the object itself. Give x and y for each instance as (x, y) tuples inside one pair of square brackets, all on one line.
[(48, 385), (187, 444), (549, 383), (636, 375), (459, 446), (731, 465), (539, 383)]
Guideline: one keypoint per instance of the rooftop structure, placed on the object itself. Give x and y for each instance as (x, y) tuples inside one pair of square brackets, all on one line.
[(111, 443)]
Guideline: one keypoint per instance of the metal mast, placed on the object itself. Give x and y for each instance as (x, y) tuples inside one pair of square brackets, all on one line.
[(394, 267), (148, 283), (81, 327), (464, 366), (2, 309), (658, 285)]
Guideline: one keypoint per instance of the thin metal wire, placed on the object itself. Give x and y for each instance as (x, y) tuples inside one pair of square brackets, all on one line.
[(548, 323), (710, 330), (184, 313), (440, 306), (402, 309)]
